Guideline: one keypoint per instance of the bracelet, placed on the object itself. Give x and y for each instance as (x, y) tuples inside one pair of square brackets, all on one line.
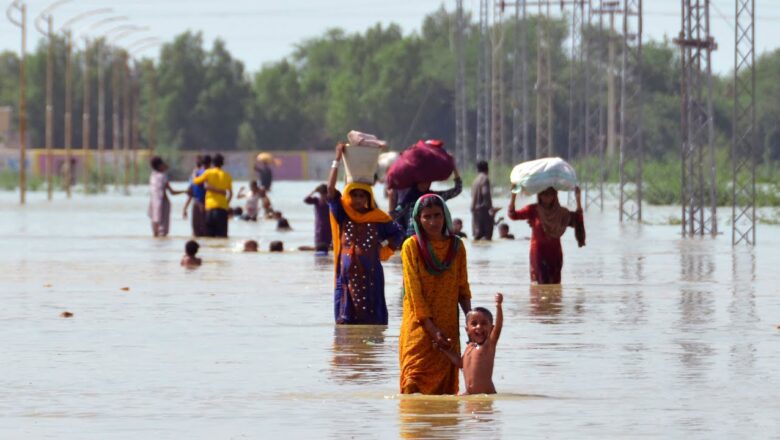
[(335, 164)]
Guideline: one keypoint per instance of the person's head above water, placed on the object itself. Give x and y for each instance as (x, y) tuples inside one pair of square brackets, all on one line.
[(250, 246), (191, 248), (479, 324), (482, 166), (276, 246), (158, 164), (503, 229), (457, 225)]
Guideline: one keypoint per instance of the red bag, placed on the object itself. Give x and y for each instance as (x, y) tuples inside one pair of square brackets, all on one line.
[(425, 161)]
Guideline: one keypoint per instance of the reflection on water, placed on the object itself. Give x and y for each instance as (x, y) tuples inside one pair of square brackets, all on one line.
[(546, 302), (696, 307), (357, 354), (743, 315), (423, 418), (435, 417)]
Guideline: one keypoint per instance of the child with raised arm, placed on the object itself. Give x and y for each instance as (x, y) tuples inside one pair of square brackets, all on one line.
[(477, 360)]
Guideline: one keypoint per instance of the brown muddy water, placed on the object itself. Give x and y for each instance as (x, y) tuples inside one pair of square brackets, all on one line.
[(650, 336)]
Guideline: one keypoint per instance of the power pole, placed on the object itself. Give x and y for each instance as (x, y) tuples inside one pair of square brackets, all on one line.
[(49, 34), (594, 108), (743, 141), (497, 87), (68, 111), (576, 80), (127, 80), (699, 186), (101, 119), (21, 7), (520, 85), (631, 106), (115, 144), (611, 86), (544, 87), (483, 83), (461, 129), (86, 124)]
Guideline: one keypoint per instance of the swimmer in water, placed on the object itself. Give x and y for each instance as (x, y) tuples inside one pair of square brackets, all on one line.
[(480, 353), (250, 246)]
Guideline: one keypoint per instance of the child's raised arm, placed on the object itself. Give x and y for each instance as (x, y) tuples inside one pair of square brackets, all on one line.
[(496, 333)]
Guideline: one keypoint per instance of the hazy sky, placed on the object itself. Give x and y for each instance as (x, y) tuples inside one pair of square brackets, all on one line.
[(262, 31)]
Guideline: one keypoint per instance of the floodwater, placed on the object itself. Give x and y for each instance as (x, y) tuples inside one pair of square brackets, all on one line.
[(650, 336)]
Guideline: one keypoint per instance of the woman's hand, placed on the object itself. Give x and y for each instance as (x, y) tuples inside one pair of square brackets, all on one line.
[(442, 342), (578, 197), (340, 150)]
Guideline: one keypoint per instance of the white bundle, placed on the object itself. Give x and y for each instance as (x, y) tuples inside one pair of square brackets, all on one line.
[(535, 176), (365, 140)]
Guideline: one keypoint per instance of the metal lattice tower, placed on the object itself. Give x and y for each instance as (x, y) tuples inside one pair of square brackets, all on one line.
[(631, 104), (483, 83), (595, 89), (576, 81), (497, 86), (462, 153), (698, 150), (544, 87), (743, 146), (520, 85)]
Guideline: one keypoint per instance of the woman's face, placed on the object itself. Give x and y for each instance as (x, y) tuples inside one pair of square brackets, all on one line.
[(360, 199), (547, 197), (432, 220)]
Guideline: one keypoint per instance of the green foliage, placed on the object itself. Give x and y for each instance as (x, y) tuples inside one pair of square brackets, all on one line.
[(399, 86)]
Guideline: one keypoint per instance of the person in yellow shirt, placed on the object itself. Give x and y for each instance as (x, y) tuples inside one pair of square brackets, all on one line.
[(219, 192)]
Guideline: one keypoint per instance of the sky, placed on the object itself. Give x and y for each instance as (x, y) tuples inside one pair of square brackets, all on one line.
[(265, 31)]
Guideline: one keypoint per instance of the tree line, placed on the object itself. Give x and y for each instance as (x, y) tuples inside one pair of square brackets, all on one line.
[(398, 86)]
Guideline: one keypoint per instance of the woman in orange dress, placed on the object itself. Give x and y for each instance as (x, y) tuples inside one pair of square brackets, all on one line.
[(435, 283)]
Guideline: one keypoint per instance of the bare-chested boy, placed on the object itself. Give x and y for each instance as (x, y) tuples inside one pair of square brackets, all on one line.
[(477, 360)]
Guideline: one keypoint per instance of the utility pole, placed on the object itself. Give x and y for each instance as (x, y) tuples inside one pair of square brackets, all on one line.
[(461, 130), (115, 94), (699, 186), (743, 141), (520, 84), (49, 34), (86, 125), (497, 88), (68, 111), (576, 80), (595, 91), (101, 119), (21, 23), (631, 109), (544, 87), (127, 80), (611, 86), (483, 83)]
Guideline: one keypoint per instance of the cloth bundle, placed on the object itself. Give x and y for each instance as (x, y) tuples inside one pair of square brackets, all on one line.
[(425, 161), (535, 176)]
